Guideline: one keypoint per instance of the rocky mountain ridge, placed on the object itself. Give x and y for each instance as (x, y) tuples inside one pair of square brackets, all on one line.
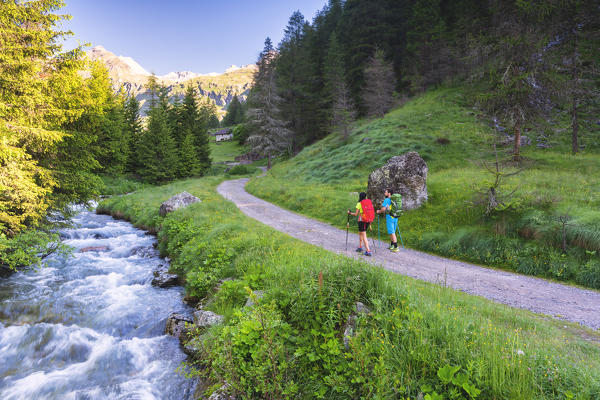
[(127, 74)]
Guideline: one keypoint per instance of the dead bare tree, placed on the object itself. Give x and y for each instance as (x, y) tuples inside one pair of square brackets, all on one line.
[(380, 83)]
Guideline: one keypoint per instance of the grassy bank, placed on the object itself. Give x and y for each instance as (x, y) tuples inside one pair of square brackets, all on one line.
[(418, 338), (225, 150), (322, 181)]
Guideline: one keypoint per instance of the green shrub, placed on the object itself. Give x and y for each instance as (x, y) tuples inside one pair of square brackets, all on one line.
[(241, 170), (241, 133), (250, 354), (231, 294)]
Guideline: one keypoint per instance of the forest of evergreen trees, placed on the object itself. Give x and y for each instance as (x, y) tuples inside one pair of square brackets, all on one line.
[(524, 61), (62, 125)]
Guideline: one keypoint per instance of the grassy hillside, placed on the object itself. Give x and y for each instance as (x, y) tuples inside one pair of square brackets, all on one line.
[(290, 345), (322, 181), (225, 151)]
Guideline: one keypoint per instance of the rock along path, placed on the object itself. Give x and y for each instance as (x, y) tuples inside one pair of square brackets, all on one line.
[(534, 294)]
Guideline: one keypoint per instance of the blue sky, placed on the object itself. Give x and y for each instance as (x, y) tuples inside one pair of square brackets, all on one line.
[(183, 35)]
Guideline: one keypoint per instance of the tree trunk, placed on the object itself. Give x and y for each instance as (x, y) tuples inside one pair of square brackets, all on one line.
[(517, 152)]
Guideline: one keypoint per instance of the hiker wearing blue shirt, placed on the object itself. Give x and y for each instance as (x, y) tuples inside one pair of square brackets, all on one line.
[(391, 222)]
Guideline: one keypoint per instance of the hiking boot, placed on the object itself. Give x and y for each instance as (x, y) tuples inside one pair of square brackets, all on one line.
[(368, 253), (395, 249), (359, 250)]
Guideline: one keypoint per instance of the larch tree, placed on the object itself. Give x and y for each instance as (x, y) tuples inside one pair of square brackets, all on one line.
[(31, 112), (270, 133), (337, 92), (380, 82)]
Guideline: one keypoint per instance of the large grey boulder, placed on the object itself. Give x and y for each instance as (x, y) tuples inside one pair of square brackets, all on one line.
[(405, 174), (178, 201)]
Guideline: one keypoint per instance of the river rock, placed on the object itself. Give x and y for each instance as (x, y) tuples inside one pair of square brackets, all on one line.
[(221, 394), (144, 252), (405, 174), (93, 248), (164, 279), (205, 319), (178, 201), (178, 325), (359, 309)]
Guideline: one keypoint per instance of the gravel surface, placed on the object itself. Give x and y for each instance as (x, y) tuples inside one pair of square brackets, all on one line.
[(534, 294)]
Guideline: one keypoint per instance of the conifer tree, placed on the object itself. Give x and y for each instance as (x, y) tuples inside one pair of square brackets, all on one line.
[(235, 113), (133, 126), (270, 135), (379, 85), (115, 140), (206, 111), (188, 158), (157, 153), (295, 70)]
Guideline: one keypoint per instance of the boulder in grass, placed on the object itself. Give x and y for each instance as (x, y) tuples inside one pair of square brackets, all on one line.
[(359, 309), (206, 319), (176, 202), (405, 174)]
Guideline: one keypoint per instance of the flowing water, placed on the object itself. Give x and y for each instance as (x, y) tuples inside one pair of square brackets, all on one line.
[(91, 326)]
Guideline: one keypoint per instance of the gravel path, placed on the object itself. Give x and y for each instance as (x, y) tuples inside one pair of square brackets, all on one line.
[(534, 294)]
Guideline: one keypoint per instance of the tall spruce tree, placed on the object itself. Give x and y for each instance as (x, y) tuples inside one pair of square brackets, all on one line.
[(573, 76), (295, 70), (206, 112), (235, 113), (133, 126), (157, 151)]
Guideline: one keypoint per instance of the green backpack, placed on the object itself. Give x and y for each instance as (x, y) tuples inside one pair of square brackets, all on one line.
[(396, 206)]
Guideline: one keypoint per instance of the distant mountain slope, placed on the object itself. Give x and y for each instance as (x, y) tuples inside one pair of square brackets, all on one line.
[(126, 73)]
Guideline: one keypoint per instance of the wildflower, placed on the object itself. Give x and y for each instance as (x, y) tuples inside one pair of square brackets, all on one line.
[(520, 352)]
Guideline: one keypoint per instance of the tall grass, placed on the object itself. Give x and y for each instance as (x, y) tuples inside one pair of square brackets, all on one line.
[(290, 344)]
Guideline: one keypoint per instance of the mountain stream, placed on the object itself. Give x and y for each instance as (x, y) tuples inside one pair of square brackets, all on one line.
[(91, 326)]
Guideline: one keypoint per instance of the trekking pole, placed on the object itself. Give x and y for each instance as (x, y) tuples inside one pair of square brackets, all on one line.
[(347, 227), (399, 234), (372, 239), (378, 233)]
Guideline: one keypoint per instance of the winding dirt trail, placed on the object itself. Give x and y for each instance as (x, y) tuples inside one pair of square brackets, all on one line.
[(534, 294)]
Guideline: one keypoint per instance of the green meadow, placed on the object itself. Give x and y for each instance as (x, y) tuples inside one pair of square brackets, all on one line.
[(419, 340), (323, 180)]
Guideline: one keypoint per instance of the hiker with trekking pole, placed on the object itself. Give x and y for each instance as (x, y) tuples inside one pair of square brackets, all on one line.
[(366, 215), (392, 207)]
